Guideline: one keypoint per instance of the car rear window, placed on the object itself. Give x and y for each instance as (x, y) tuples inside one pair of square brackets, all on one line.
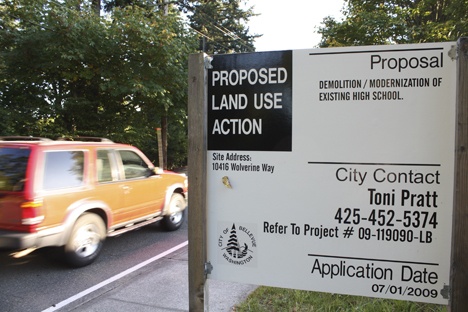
[(13, 164), (63, 169)]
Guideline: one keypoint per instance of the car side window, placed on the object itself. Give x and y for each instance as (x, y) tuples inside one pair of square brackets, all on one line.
[(134, 166), (103, 166), (63, 169)]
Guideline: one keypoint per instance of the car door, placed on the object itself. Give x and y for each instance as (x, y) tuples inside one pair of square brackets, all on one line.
[(108, 184), (143, 193)]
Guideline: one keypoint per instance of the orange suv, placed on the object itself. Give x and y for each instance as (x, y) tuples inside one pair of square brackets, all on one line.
[(76, 193)]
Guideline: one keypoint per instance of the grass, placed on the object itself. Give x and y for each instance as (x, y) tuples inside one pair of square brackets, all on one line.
[(273, 299)]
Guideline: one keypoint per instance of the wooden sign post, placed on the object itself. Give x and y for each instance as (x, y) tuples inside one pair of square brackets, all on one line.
[(459, 268), (197, 182)]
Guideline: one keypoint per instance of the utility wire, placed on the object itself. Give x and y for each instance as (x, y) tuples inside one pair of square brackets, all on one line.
[(224, 31), (200, 11)]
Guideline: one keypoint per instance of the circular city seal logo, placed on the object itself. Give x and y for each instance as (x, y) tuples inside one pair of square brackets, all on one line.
[(237, 245)]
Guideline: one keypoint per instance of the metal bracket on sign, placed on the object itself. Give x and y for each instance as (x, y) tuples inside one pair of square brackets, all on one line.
[(208, 60), (453, 52), (445, 292), (208, 268)]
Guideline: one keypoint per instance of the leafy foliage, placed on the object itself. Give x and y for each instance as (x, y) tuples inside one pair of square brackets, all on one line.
[(66, 72), (368, 22)]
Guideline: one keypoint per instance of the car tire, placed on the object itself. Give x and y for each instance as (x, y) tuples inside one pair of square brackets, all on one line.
[(173, 221), (86, 240)]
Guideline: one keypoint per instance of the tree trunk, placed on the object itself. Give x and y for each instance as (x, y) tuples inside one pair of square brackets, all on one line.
[(96, 7)]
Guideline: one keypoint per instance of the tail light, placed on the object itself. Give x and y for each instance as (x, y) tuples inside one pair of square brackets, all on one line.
[(31, 214)]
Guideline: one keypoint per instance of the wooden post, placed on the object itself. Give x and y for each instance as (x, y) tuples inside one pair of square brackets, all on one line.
[(459, 264), (197, 181), (160, 148), (164, 139)]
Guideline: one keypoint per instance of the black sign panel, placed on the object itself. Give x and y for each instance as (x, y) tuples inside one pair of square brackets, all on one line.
[(250, 102)]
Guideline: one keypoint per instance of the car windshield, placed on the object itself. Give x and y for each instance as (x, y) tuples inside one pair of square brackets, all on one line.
[(13, 163)]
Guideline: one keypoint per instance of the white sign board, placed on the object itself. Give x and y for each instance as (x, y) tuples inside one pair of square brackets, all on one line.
[(332, 169)]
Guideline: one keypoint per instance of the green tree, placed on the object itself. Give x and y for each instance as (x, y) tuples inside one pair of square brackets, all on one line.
[(221, 25), (64, 70), (368, 22)]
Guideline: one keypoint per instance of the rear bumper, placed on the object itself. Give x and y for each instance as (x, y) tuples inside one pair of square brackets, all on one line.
[(16, 240)]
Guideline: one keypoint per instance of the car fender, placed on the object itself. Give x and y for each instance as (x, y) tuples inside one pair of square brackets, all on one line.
[(174, 188), (75, 210)]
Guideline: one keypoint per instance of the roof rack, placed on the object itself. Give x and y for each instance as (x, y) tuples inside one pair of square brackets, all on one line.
[(23, 138), (85, 139)]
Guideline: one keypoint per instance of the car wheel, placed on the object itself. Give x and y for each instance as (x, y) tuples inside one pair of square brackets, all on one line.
[(86, 240), (176, 215)]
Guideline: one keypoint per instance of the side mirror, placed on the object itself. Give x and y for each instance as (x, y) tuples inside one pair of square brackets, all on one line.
[(149, 172), (153, 171)]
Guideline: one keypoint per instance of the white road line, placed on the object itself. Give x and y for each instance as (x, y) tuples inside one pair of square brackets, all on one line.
[(113, 279)]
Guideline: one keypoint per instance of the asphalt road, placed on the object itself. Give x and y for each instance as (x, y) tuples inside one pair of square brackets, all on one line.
[(41, 280)]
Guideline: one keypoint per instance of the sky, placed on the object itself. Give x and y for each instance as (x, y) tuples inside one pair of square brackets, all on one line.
[(290, 24)]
